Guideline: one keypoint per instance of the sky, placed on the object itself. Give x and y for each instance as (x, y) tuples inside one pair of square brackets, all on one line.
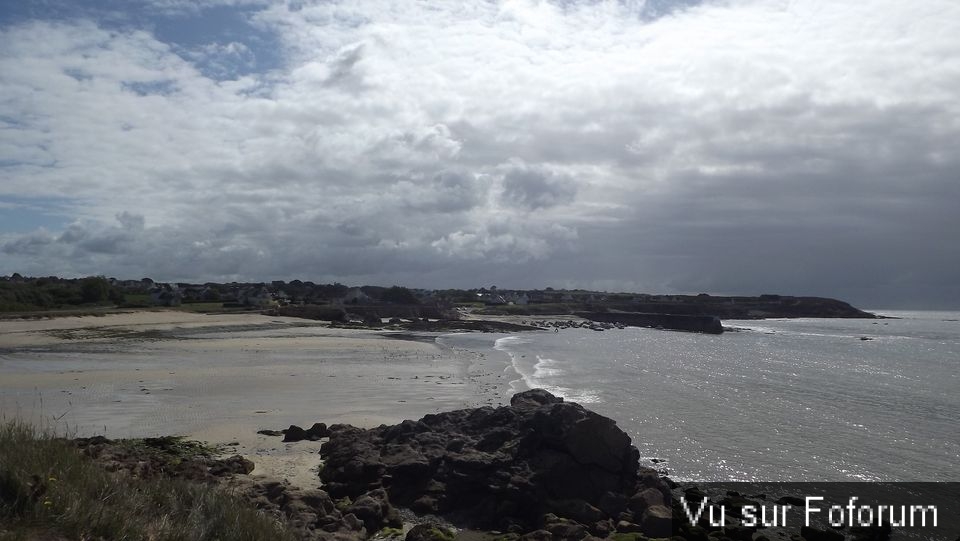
[(800, 147)]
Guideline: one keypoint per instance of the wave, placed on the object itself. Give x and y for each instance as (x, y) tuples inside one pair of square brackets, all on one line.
[(545, 368), (544, 375), (503, 344)]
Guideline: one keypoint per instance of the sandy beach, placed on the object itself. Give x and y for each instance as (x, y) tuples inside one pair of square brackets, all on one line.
[(221, 378)]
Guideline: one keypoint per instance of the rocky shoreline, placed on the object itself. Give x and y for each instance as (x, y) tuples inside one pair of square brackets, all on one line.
[(673, 322), (540, 469)]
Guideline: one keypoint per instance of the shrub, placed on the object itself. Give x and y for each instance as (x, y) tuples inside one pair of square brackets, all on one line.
[(94, 289), (47, 486)]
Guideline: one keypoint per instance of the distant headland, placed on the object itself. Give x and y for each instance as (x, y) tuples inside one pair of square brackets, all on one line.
[(484, 309)]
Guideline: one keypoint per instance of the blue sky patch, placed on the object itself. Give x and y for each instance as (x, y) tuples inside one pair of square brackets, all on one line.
[(221, 25), (149, 88), (25, 214), (200, 35)]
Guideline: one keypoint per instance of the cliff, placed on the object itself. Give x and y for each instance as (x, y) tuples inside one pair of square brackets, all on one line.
[(764, 306), (724, 307)]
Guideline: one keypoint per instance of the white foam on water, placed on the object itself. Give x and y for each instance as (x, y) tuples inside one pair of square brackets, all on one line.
[(503, 344), (580, 396), (545, 368), (543, 375)]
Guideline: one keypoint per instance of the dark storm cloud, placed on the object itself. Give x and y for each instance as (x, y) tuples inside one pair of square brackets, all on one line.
[(536, 187), (30, 244), (445, 192)]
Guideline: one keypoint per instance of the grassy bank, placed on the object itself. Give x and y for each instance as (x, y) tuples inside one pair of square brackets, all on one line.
[(49, 490)]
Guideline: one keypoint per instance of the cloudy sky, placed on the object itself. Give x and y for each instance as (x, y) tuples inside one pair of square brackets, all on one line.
[(727, 146)]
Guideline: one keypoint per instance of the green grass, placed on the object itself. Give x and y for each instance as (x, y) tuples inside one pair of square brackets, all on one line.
[(49, 489), (171, 450)]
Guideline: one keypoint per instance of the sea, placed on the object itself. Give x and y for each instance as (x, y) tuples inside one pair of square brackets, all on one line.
[(776, 400)]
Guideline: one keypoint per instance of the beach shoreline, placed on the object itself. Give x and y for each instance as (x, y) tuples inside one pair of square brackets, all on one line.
[(220, 378)]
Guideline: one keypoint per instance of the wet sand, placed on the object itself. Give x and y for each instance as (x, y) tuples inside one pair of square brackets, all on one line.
[(220, 378)]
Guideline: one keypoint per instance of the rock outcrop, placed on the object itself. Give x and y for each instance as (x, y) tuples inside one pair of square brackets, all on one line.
[(166, 456), (312, 515), (295, 433), (505, 468), (676, 322)]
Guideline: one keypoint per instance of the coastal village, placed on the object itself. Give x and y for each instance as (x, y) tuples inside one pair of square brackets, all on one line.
[(24, 294)]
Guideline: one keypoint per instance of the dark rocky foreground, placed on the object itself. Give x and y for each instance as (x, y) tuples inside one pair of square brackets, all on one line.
[(540, 469)]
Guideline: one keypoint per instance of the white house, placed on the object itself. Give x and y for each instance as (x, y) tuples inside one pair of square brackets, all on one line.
[(256, 296)]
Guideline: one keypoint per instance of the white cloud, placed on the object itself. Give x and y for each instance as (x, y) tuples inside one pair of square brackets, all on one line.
[(223, 60), (409, 136)]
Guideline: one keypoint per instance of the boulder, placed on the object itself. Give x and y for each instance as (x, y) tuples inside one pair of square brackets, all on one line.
[(374, 510), (537, 535), (628, 527), (533, 398), (691, 532), (577, 509), (735, 503), (318, 500), (317, 431), (657, 521), (612, 504), (493, 468), (429, 532), (294, 433), (648, 497), (232, 465), (603, 528), (563, 529), (352, 523), (306, 512), (795, 501)]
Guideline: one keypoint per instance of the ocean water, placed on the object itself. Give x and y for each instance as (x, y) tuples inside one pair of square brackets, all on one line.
[(773, 400)]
